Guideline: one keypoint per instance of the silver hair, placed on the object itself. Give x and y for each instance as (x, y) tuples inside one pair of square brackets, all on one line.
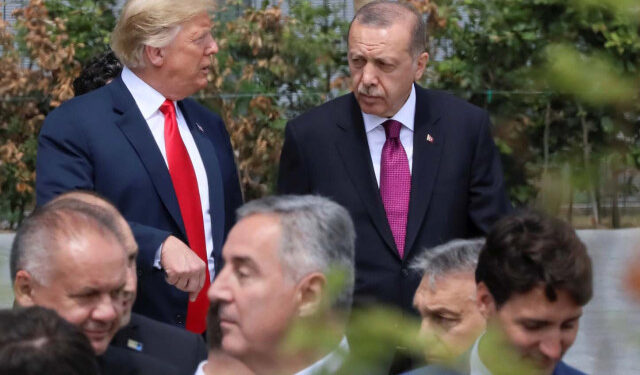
[(453, 256), (50, 228), (317, 235)]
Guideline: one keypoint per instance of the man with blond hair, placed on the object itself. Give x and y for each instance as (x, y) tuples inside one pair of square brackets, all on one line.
[(163, 160)]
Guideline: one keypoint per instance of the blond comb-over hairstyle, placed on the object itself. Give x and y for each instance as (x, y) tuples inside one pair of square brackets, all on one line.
[(153, 23)]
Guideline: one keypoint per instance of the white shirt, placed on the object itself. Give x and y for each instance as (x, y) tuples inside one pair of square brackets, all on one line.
[(200, 369), (149, 101), (376, 135), (476, 367), (330, 363)]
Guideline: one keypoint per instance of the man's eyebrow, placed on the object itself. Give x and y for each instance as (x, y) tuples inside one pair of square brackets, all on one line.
[(83, 291), (440, 310), (244, 261)]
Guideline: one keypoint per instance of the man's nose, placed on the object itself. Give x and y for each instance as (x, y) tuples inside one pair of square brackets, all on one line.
[(369, 75), (551, 346), (212, 46), (107, 309), (219, 291)]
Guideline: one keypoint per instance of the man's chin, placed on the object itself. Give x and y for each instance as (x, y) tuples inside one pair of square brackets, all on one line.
[(99, 346)]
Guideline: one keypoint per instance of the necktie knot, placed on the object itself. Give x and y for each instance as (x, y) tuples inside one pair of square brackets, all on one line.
[(392, 128), (167, 108)]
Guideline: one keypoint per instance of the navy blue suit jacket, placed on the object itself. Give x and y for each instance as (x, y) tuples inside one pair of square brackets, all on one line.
[(457, 188), (100, 141), (179, 348)]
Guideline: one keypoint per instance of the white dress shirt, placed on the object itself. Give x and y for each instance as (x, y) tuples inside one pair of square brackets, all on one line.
[(476, 366), (149, 101), (376, 135), (330, 363), (200, 369)]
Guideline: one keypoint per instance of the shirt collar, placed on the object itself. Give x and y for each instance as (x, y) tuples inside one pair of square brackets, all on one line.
[(147, 98), (405, 115), (476, 366), (330, 363)]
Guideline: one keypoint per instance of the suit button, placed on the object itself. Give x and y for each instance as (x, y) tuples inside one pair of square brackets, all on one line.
[(405, 272), (180, 319)]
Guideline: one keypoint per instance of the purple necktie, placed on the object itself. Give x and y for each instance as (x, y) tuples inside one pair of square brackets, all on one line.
[(395, 183)]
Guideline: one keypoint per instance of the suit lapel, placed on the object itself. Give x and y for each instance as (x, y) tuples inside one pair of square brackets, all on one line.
[(428, 141), (354, 150), (214, 175), (135, 128)]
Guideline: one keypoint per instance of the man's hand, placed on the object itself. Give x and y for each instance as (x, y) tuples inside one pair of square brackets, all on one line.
[(185, 270)]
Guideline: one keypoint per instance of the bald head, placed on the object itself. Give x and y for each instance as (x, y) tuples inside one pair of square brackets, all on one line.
[(94, 199)]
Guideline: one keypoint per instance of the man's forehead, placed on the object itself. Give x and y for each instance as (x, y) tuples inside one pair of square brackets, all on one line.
[(535, 305), (253, 237), (456, 290)]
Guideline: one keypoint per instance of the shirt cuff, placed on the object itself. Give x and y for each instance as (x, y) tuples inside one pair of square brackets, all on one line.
[(156, 260)]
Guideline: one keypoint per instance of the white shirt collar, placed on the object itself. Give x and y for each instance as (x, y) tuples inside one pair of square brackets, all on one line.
[(476, 366), (200, 369), (147, 98), (330, 363), (406, 114)]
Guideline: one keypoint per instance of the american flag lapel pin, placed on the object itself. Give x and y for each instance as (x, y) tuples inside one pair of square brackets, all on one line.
[(199, 128), (429, 138)]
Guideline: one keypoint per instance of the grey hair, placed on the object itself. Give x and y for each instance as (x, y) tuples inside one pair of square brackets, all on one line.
[(317, 236), (455, 255), (384, 13), (50, 228)]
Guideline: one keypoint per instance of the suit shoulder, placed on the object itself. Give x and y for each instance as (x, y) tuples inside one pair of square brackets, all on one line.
[(91, 104), (447, 100), (564, 369), (150, 328), (199, 110), (335, 108)]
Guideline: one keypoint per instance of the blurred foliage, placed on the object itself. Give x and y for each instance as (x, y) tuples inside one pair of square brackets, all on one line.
[(34, 79), (88, 24), (274, 66), (560, 79)]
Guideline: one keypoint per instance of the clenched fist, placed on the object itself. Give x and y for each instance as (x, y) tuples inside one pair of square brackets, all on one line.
[(184, 269)]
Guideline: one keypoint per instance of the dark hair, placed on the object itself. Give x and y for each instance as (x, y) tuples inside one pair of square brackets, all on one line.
[(529, 249), (384, 13), (97, 73), (214, 332), (37, 341)]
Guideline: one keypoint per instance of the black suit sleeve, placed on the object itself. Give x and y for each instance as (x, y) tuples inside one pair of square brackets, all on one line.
[(292, 175), (487, 196)]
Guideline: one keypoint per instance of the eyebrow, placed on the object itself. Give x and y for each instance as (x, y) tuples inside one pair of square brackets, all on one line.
[(244, 261), (440, 310)]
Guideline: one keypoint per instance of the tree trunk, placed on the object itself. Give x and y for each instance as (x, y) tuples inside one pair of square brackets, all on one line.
[(586, 153), (545, 140)]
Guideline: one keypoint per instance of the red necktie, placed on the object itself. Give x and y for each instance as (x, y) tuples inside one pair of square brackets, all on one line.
[(185, 185), (395, 183)]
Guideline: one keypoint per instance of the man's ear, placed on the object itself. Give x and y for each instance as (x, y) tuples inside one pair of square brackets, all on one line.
[(485, 301), (23, 289), (154, 55), (310, 294), (421, 62)]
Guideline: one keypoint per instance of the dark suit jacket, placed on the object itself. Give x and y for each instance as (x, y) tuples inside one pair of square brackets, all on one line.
[(118, 361), (100, 141), (165, 343), (457, 188)]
